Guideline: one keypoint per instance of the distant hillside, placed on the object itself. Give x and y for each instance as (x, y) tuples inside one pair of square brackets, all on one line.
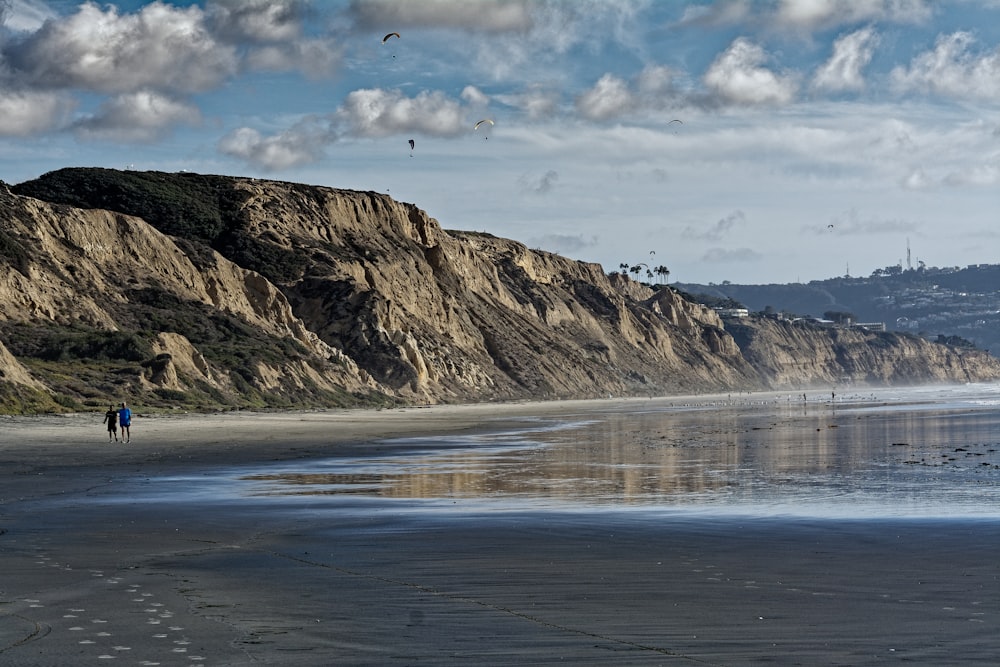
[(193, 291), (928, 301)]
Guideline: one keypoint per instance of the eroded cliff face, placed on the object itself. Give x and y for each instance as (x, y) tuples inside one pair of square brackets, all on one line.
[(317, 296), (792, 356)]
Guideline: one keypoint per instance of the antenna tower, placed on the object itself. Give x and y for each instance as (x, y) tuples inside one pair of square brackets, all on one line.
[(909, 266)]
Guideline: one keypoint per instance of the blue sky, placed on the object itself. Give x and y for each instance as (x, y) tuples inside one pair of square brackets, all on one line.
[(817, 137)]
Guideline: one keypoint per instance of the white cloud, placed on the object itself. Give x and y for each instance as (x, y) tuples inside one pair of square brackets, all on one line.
[(374, 112), (952, 70), (257, 20), (160, 47), (482, 15), (26, 113), (609, 97), (612, 96), (303, 143), (475, 97), (737, 77), (823, 14), (851, 54), (144, 116)]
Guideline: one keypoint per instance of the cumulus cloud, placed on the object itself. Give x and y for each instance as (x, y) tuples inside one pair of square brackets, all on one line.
[(139, 117), (613, 96), (368, 113), (851, 54), (257, 20), (374, 112), (303, 143), (160, 47), (717, 231), (25, 112), (482, 15), (609, 97), (952, 70), (738, 77)]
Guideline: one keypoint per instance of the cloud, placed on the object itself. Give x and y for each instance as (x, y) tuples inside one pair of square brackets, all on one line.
[(737, 77), (259, 21), (850, 223), (303, 143), (139, 117), (722, 255), (536, 101), (161, 47), (541, 185), (25, 15), (851, 54), (608, 98), (805, 16), (26, 112), (717, 231), (612, 96), (480, 16), (951, 70), (985, 175), (564, 243), (368, 113), (314, 58), (814, 15), (374, 112)]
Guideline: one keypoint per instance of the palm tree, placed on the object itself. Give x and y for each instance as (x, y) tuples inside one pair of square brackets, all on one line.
[(663, 272)]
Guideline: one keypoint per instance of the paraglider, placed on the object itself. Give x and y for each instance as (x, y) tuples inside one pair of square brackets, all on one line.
[(412, 144), (391, 34), (675, 120), (482, 122)]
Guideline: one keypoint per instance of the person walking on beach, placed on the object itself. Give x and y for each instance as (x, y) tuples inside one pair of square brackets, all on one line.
[(111, 419), (125, 420)]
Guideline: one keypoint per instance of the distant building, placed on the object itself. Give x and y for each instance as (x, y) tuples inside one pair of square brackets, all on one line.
[(732, 312), (869, 326)]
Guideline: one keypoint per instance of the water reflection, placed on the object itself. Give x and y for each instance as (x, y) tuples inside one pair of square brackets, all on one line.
[(781, 457)]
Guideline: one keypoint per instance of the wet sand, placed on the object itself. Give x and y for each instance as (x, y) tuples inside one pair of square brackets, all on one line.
[(84, 580)]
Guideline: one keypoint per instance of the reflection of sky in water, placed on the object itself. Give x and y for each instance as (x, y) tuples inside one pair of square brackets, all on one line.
[(896, 454)]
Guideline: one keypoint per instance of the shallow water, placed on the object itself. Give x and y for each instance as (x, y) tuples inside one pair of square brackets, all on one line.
[(923, 452)]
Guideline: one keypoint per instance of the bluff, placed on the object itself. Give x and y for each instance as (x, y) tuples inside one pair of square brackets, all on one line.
[(199, 291)]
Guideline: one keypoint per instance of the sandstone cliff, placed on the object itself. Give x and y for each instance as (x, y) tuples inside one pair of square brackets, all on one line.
[(208, 291)]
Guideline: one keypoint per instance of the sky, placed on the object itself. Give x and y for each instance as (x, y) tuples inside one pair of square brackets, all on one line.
[(750, 141)]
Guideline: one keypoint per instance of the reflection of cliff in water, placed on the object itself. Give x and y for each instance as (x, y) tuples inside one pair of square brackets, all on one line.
[(729, 454)]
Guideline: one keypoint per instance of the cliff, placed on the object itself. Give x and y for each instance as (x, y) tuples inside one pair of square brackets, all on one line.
[(202, 291)]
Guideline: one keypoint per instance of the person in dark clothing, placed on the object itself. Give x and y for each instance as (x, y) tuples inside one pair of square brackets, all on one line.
[(111, 419)]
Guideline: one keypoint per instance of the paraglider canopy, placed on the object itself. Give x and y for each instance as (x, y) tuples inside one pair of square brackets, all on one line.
[(488, 124), (411, 144), (391, 34)]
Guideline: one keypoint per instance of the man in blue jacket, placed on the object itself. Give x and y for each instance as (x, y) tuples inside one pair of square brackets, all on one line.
[(125, 421)]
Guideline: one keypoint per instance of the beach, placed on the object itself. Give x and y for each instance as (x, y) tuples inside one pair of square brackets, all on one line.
[(215, 540)]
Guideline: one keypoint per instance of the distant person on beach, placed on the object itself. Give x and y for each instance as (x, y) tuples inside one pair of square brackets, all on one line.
[(125, 419), (111, 419)]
